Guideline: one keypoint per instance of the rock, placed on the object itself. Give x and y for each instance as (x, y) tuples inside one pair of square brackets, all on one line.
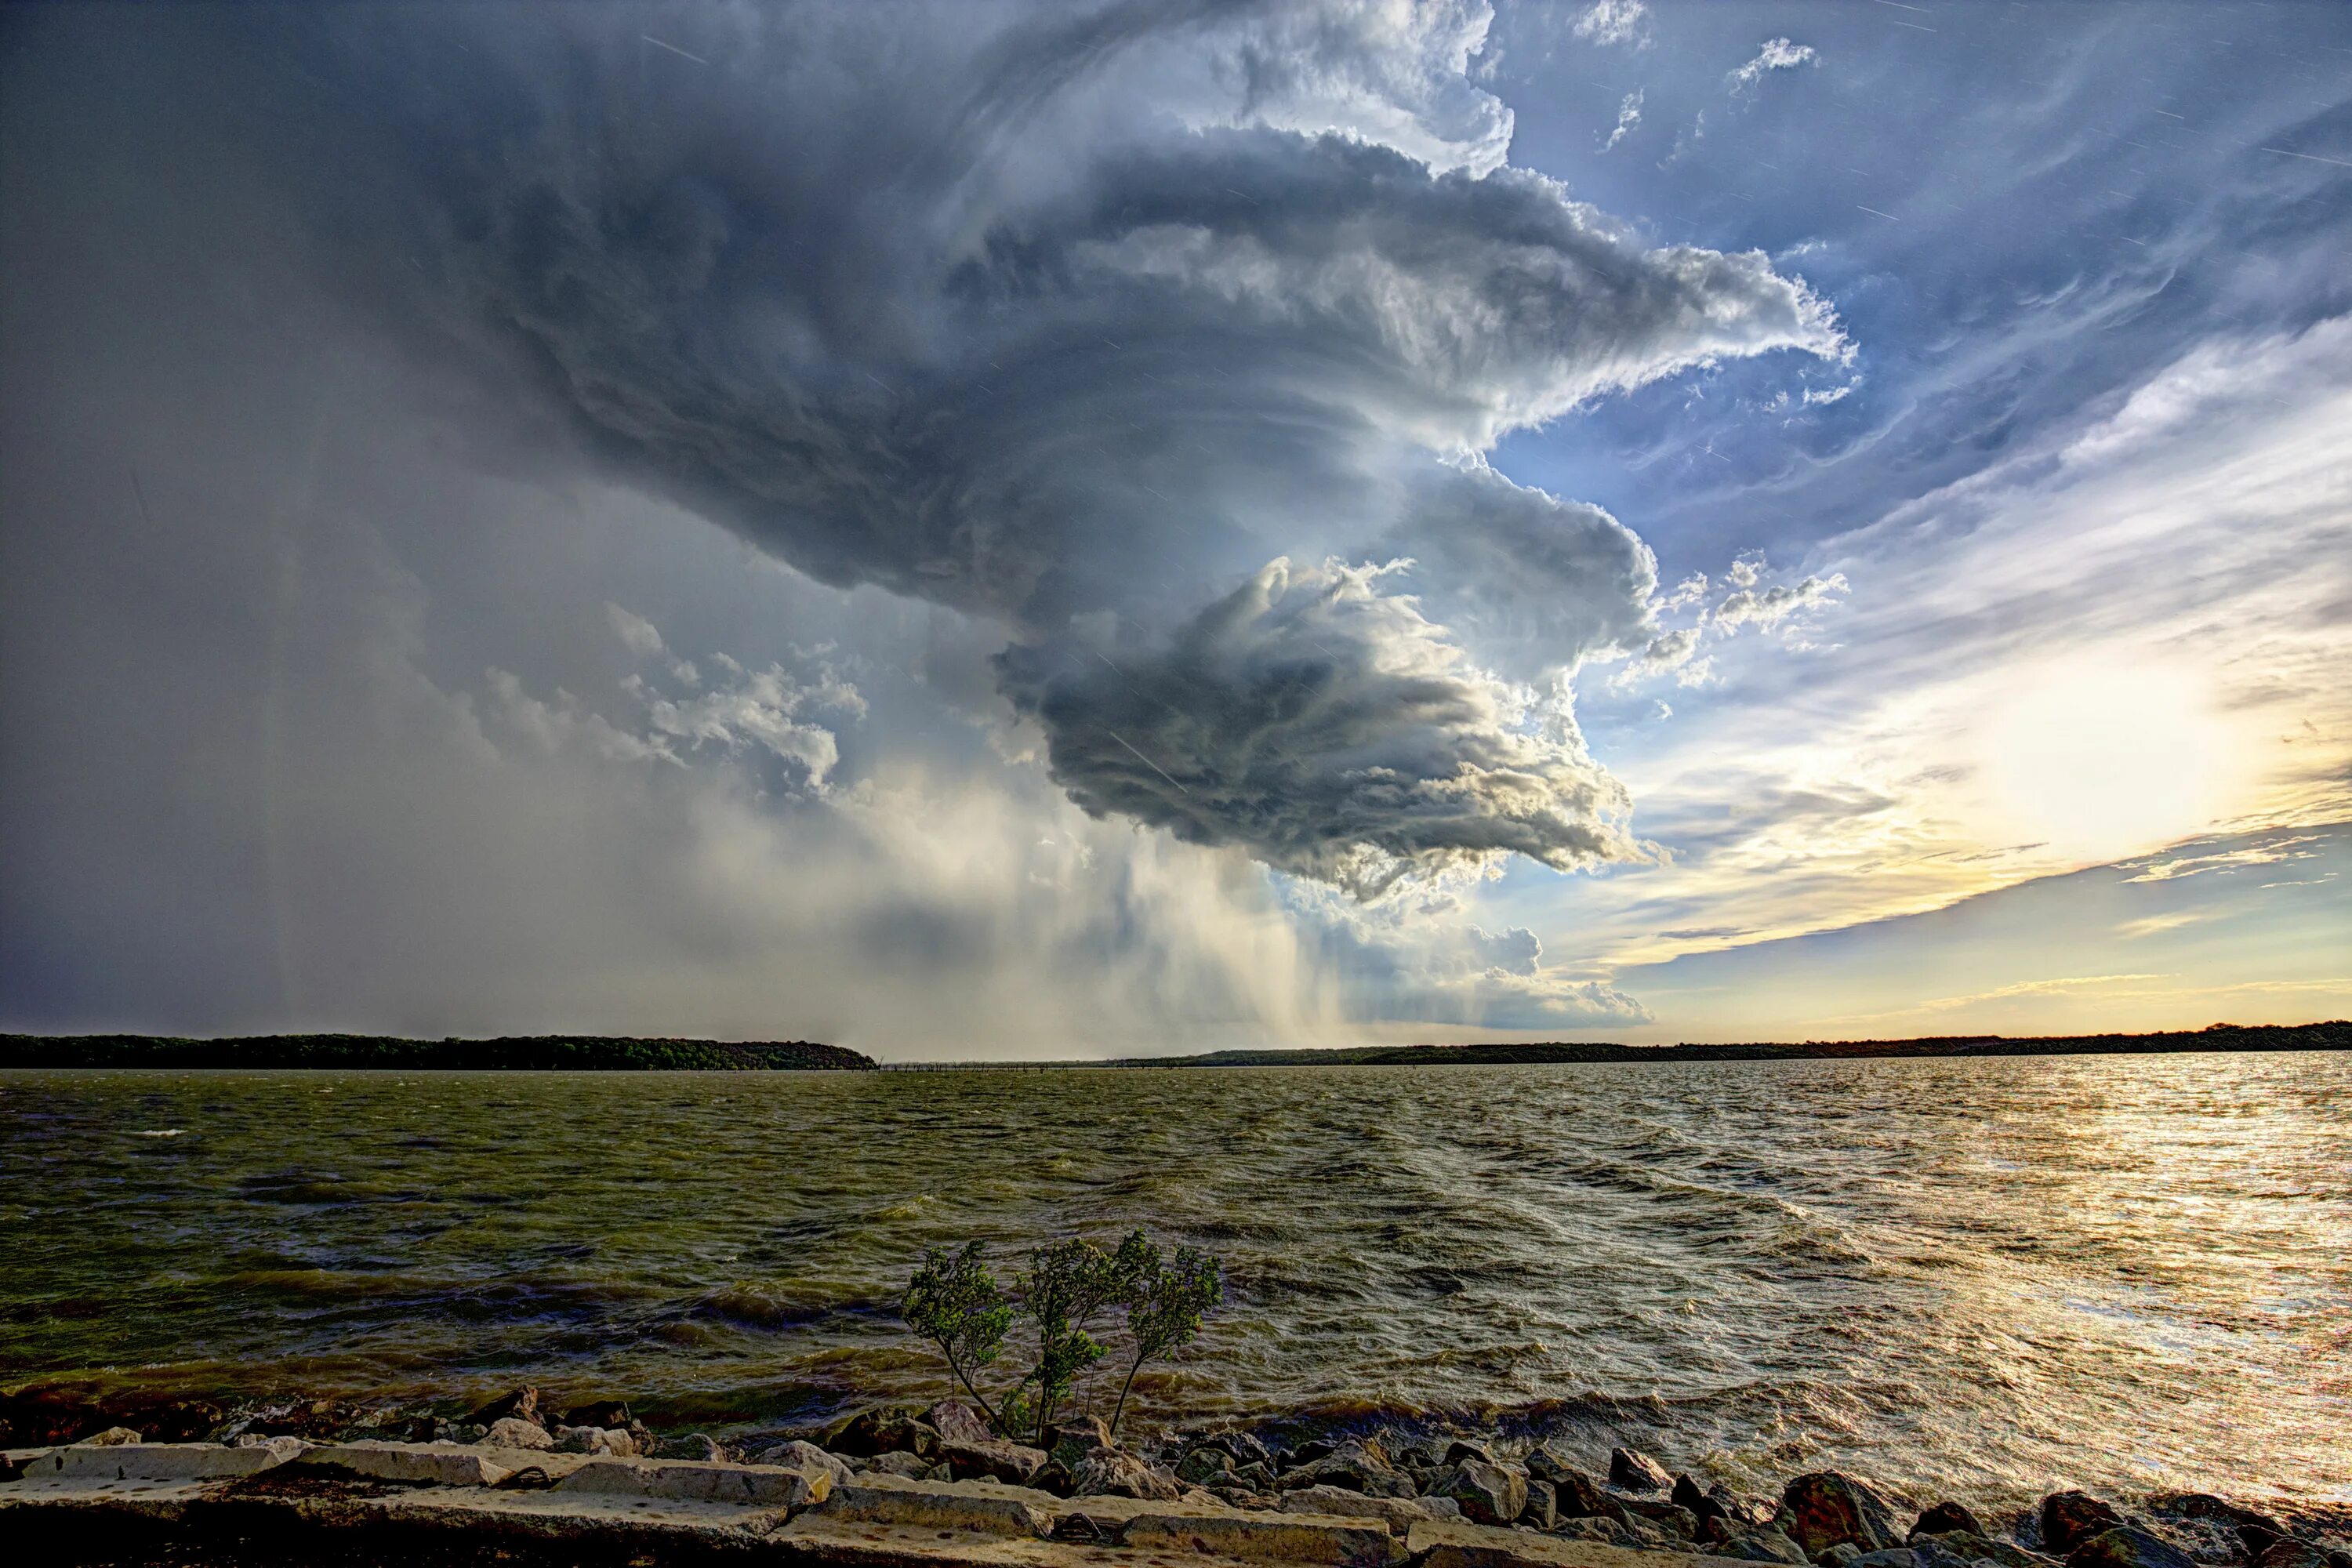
[(1400, 1514), (2125, 1546), (1678, 1522), (800, 1456), (1606, 1531), (1115, 1472), (428, 1464), (1703, 1505), (937, 1506), (1945, 1518), (1247, 1448), (1961, 1549), (1322, 1540), (693, 1445), (2288, 1552), (614, 1440), (1205, 1466), (957, 1422), (113, 1437), (514, 1432), (1256, 1502), (882, 1429), (1354, 1467), (598, 1413), (691, 1480), (1637, 1472), (1488, 1494), (156, 1461), (1539, 1513), (1763, 1545), (1828, 1509), (906, 1465), (522, 1404), (1892, 1557), (1012, 1463), (1459, 1450), (1841, 1555), (2069, 1519)]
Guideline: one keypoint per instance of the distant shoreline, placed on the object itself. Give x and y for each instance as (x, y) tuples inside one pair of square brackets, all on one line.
[(533, 1053), (585, 1053), (2333, 1036)]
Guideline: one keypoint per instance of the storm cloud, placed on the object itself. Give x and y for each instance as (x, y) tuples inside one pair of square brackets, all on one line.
[(1074, 320)]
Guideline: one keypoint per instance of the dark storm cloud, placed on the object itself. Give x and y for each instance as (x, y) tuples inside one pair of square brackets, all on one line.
[(1058, 316)]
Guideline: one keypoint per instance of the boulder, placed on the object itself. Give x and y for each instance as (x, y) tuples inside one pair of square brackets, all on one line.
[(113, 1437), (1603, 1531), (1579, 1498), (800, 1456), (1106, 1471), (1353, 1467), (2127, 1546), (522, 1404), (1704, 1505), (598, 1413), (1678, 1522), (1012, 1463), (514, 1432), (613, 1440), (692, 1445), (1539, 1513), (1205, 1466), (1891, 1557), (1637, 1472), (1262, 1502), (1843, 1555), (882, 1429), (2069, 1519), (957, 1422), (1944, 1518), (907, 1465), (1245, 1447), (1828, 1509), (2285, 1552), (934, 1506), (1487, 1494), (1460, 1449), (1764, 1546), (1962, 1549)]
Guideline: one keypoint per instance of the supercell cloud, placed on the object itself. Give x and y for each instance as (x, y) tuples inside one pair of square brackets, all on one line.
[(1086, 322)]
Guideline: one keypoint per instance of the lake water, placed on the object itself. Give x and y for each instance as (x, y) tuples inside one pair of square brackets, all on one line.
[(1971, 1277)]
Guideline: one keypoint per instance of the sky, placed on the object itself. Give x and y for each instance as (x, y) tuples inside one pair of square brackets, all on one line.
[(984, 530)]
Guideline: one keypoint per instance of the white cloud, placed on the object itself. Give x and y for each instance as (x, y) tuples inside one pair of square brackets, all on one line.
[(1629, 115), (1777, 55), (1614, 22)]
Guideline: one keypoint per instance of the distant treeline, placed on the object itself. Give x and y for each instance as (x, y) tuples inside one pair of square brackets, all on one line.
[(2329, 1036), (532, 1053)]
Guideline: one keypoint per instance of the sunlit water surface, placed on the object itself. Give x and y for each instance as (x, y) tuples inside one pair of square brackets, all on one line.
[(1974, 1277)]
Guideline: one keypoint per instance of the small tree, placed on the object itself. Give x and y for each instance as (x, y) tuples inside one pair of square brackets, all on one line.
[(1164, 1305), (953, 1301), (1069, 1284)]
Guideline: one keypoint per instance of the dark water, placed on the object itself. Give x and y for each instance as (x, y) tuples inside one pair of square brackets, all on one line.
[(1971, 1277)]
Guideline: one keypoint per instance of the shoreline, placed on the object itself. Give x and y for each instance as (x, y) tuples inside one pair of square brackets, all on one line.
[(585, 1053), (516, 1481)]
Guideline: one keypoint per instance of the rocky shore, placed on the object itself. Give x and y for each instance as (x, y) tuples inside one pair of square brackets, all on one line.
[(520, 1480)]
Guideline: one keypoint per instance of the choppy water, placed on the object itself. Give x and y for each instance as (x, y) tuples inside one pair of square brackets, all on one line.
[(1978, 1277)]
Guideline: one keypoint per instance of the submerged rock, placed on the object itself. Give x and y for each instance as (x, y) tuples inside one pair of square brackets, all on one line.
[(2069, 1519), (1637, 1472), (1828, 1509)]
